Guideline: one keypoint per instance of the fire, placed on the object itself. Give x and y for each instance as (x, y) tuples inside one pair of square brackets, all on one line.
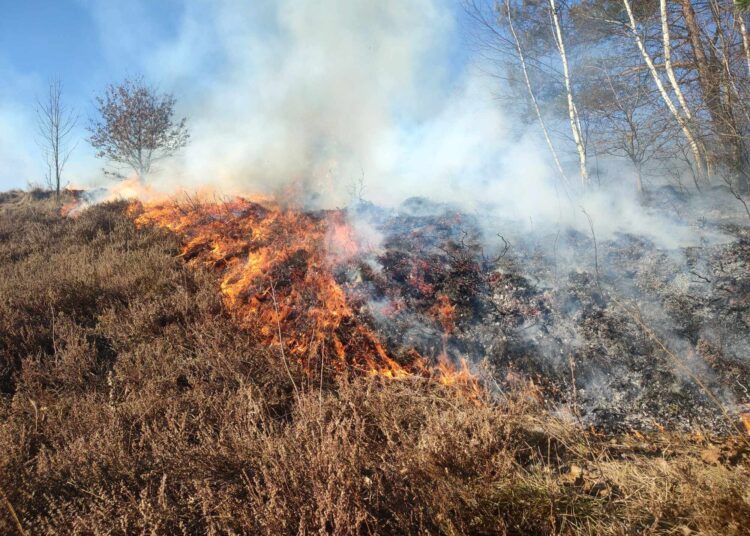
[(70, 208), (445, 312), (746, 422), (276, 267)]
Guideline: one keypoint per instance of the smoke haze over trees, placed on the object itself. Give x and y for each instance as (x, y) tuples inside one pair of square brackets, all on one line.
[(400, 94), (661, 85)]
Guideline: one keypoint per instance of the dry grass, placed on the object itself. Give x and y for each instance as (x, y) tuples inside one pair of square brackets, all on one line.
[(131, 403)]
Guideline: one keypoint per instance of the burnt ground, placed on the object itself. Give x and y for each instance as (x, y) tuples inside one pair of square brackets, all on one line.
[(636, 337)]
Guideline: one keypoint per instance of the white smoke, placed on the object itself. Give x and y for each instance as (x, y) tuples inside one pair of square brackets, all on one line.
[(310, 97), (305, 93)]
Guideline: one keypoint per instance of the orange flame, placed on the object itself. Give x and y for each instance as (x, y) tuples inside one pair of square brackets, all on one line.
[(276, 269), (70, 209), (445, 312)]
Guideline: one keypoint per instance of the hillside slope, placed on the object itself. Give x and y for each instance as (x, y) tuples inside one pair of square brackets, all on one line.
[(132, 402)]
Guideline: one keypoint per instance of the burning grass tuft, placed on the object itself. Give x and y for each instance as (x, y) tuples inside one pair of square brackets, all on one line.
[(132, 402)]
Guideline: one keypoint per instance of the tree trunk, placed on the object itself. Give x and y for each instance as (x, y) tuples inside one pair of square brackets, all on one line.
[(667, 44), (694, 149), (532, 96), (745, 40), (56, 146), (575, 124), (639, 182), (707, 79)]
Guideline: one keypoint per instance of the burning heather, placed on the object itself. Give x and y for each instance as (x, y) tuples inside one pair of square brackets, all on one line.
[(417, 292), (284, 267), (363, 370)]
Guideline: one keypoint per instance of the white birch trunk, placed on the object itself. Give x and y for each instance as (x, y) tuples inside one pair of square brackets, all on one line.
[(532, 96), (575, 124), (745, 40), (663, 92), (667, 42)]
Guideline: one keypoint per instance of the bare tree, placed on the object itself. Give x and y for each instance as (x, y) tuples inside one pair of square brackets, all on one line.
[(136, 126), (55, 122), (682, 121), (575, 122), (532, 95), (629, 126)]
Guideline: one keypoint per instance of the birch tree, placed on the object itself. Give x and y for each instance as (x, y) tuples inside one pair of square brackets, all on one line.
[(667, 45), (681, 121), (691, 57), (745, 40), (532, 95), (575, 123)]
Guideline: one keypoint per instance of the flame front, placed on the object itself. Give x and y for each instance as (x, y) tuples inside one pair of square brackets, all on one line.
[(745, 417), (277, 269)]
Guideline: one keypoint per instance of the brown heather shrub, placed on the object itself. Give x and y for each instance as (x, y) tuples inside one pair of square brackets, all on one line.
[(133, 404)]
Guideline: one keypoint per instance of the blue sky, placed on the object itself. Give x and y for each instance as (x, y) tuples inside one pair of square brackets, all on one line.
[(40, 37), (74, 39), (211, 53), (41, 40)]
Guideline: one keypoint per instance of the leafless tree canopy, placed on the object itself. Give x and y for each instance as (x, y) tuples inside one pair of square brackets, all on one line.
[(136, 126), (54, 125), (663, 84)]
